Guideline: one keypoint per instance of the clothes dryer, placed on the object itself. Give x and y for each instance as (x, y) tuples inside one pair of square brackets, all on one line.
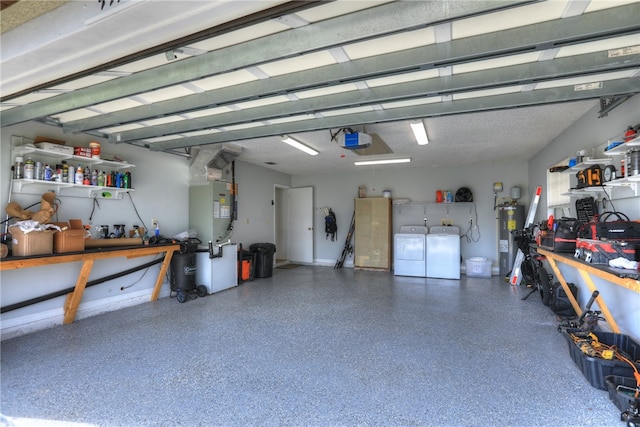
[(410, 251), (443, 252)]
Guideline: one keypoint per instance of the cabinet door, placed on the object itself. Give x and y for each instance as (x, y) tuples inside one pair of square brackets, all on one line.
[(373, 233)]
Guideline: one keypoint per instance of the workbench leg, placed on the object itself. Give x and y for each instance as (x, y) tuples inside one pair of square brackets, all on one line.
[(74, 298), (565, 286), (600, 301), (163, 271)]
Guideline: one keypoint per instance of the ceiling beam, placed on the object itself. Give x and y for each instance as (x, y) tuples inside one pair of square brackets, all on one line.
[(497, 102), (521, 74), (531, 38), (385, 19)]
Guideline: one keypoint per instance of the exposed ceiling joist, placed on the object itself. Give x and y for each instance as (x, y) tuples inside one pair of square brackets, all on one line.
[(384, 19), (496, 102)]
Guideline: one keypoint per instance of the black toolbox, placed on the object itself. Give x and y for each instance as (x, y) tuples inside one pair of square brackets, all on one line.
[(594, 368)]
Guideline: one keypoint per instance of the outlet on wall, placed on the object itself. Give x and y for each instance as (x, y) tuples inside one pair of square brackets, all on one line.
[(154, 223)]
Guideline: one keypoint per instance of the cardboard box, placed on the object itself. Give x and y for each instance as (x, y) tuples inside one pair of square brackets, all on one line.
[(33, 243), (62, 149), (71, 238), (82, 151)]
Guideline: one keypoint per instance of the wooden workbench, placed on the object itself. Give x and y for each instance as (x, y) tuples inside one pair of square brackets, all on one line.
[(88, 258), (587, 271)]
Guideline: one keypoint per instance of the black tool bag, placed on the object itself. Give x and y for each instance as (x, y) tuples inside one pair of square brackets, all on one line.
[(563, 237), (611, 226), (560, 303)]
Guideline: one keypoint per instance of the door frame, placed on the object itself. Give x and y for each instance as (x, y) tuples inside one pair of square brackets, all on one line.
[(280, 223)]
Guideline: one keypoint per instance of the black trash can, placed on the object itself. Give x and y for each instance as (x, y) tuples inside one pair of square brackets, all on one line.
[(264, 258)]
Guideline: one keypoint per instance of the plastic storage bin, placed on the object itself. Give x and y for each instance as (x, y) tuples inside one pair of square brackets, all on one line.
[(264, 258), (595, 369), (478, 267)]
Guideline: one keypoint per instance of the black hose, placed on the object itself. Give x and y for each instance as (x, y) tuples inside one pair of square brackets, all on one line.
[(71, 289)]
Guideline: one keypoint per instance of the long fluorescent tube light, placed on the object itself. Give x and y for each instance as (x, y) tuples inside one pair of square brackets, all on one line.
[(299, 145), (419, 132), (382, 162)]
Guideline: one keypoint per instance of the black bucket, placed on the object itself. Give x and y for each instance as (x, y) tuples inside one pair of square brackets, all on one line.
[(183, 271)]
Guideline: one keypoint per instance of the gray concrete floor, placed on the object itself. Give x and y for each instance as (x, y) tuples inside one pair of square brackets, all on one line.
[(310, 346)]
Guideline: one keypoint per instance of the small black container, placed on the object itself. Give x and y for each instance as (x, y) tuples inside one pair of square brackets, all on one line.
[(264, 258)]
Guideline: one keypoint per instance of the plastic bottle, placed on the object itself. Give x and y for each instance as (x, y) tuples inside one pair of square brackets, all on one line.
[(71, 175), (58, 173), (101, 179), (79, 175), (48, 173), (18, 171), (29, 169), (86, 176), (65, 171), (94, 177)]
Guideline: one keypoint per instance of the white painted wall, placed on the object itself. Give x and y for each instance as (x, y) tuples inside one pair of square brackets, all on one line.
[(590, 131), (337, 190), (256, 198)]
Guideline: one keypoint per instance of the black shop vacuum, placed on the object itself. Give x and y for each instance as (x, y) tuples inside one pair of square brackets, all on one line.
[(183, 270)]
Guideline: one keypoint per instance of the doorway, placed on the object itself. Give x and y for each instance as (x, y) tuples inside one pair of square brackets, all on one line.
[(293, 224)]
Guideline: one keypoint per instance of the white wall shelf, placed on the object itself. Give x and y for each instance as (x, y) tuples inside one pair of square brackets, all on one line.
[(29, 149), (34, 186), (23, 147), (622, 149)]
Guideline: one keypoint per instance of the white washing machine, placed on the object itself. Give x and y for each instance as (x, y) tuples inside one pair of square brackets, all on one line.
[(410, 251), (443, 252)]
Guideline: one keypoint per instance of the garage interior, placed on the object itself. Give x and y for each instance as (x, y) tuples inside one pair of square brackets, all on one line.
[(503, 89)]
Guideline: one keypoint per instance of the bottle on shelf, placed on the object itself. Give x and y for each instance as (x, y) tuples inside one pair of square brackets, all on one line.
[(18, 170), (100, 179), (47, 173), (79, 175), (94, 177), (39, 171), (65, 171), (86, 178), (29, 169), (58, 173)]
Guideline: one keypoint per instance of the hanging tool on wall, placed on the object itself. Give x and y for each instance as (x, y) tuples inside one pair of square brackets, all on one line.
[(330, 224)]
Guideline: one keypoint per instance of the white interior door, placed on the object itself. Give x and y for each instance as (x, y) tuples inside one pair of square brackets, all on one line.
[(300, 230)]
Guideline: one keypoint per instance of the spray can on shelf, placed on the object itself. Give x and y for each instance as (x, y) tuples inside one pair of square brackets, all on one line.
[(127, 179), (39, 171), (71, 174), (58, 173), (65, 171)]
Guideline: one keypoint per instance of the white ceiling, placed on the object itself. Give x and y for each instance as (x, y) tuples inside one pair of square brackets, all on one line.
[(491, 80)]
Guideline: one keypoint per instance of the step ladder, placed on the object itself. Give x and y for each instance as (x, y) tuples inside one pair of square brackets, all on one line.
[(516, 277)]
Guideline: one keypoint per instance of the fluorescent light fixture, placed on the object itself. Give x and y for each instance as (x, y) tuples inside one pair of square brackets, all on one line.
[(420, 132), (299, 145), (382, 161)]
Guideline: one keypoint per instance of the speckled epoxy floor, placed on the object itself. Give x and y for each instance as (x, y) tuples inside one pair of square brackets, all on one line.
[(310, 346)]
